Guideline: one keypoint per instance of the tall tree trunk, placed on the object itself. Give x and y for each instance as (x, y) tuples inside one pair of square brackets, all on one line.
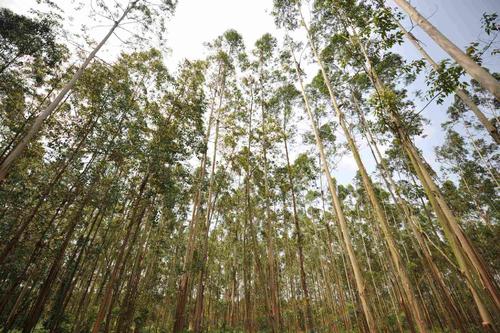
[(249, 221), (247, 259), (198, 316), (185, 280), (412, 222), (358, 277), (134, 219), (272, 279), (485, 79), (298, 233), (462, 246)]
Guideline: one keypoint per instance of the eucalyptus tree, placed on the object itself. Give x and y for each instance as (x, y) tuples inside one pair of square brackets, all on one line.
[(75, 189), (225, 51), (195, 199), (170, 126), (285, 99), (476, 184), (265, 51), (451, 312)]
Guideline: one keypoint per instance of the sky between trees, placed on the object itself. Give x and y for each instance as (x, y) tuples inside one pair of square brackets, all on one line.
[(196, 22)]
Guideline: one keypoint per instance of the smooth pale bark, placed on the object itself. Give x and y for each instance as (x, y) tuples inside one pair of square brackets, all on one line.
[(358, 277), (485, 79), (461, 93), (298, 232), (344, 313), (249, 224), (35, 128), (289, 260), (185, 279), (272, 280), (455, 245), (368, 186), (413, 223), (198, 315), (247, 260), (439, 205)]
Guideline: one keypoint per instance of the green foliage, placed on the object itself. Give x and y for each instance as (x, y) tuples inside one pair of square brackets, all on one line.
[(21, 37), (490, 23)]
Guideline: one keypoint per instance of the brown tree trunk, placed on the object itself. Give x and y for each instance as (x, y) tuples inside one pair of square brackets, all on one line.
[(185, 280), (106, 299), (298, 232)]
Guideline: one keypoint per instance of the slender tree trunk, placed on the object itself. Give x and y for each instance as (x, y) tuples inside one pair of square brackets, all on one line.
[(106, 299), (249, 220), (272, 279), (298, 233), (412, 222), (247, 260), (462, 246), (198, 316), (185, 279), (360, 283)]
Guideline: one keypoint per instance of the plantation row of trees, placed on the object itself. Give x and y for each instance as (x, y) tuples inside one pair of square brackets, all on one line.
[(138, 199)]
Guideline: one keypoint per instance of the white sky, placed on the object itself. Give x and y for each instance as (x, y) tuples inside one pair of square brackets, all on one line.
[(199, 21)]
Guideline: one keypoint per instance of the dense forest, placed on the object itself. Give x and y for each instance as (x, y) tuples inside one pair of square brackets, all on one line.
[(136, 198)]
